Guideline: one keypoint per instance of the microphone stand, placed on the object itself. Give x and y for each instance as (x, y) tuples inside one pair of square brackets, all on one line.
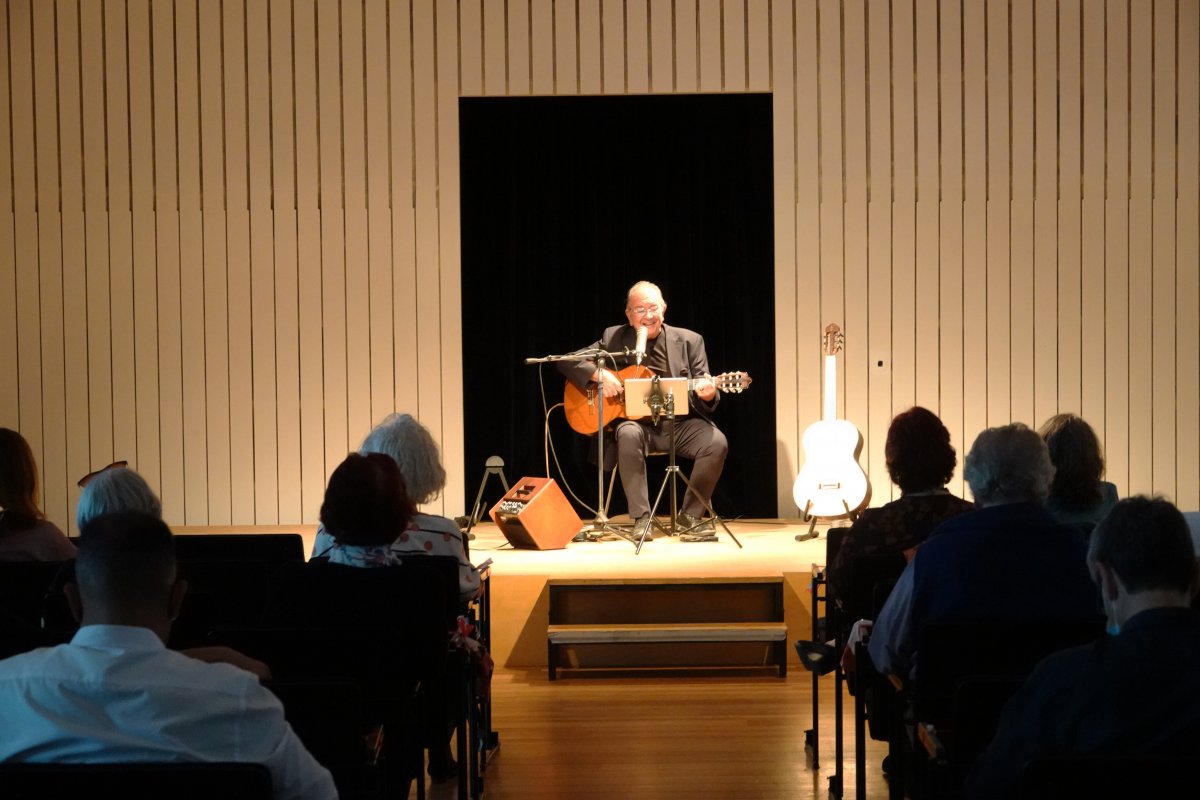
[(599, 528)]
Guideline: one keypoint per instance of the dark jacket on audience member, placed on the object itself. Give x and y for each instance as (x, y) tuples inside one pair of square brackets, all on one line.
[(1134, 693)]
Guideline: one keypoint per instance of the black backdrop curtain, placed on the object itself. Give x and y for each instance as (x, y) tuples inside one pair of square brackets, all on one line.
[(566, 202)]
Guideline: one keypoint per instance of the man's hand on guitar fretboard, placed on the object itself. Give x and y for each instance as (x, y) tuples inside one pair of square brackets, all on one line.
[(705, 389)]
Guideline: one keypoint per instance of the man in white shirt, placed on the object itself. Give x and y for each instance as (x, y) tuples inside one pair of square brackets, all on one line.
[(115, 693)]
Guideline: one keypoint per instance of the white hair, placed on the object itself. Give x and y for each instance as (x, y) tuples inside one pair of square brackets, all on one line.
[(410, 444), (1009, 464), (117, 489)]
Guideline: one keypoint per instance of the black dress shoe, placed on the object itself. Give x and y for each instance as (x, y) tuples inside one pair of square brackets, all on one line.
[(689, 524), (643, 528)]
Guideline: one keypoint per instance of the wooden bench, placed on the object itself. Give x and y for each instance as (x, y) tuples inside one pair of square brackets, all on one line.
[(636, 611)]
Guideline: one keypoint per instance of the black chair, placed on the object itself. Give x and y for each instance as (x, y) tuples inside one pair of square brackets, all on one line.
[(24, 586), (328, 716), (221, 593), (190, 781), (376, 662), (975, 714), (409, 599), (948, 653), (272, 549), (1109, 775)]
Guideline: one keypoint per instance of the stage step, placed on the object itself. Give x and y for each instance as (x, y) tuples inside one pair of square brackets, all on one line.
[(664, 611)]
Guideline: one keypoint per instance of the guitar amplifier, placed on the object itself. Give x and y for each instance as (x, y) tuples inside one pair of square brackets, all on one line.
[(536, 515)]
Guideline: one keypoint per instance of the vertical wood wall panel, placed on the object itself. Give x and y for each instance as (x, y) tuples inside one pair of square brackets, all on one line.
[(637, 43), (879, 233), (10, 404), (519, 76), (928, 361), (975, 373), (785, 129), (1116, 245), (282, 199), (97, 344), (1024, 300), (1141, 253), (470, 32), (1067, 192), (613, 44), (50, 257), (997, 184), (1092, 264), (198, 79), (541, 45), (1187, 254), (74, 245), (1162, 296), (950, 223), (227, 229), (857, 280), (120, 236), (358, 297), (248, 59), (314, 465), (733, 38), (447, 427)]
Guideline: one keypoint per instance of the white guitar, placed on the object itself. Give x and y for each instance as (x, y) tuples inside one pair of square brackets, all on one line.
[(831, 483)]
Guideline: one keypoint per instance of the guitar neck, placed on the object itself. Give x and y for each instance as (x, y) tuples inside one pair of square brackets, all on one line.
[(830, 409)]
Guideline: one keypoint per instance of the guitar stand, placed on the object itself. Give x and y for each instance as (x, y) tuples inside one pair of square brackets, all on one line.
[(667, 405), (811, 519), (493, 466)]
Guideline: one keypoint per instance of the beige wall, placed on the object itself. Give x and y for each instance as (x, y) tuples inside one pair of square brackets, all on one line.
[(229, 232)]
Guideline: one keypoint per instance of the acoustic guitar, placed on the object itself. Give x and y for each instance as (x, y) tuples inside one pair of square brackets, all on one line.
[(831, 483), (583, 411)]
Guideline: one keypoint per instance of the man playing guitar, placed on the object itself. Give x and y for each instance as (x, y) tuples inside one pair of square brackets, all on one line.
[(669, 352)]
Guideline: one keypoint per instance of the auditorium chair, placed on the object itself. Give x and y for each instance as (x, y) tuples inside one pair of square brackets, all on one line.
[(1105, 776), (25, 585), (178, 781), (949, 652)]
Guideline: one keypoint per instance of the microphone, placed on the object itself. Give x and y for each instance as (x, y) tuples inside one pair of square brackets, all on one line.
[(639, 349)]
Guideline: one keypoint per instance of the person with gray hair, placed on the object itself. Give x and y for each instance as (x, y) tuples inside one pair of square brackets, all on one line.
[(1132, 692), (1006, 560), (402, 438), (116, 489)]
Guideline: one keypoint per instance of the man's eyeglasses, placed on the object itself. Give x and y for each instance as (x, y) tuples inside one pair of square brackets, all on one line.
[(642, 311), (87, 478)]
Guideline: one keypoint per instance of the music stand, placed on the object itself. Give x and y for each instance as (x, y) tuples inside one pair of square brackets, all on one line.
[(660, 401), (599, 527)]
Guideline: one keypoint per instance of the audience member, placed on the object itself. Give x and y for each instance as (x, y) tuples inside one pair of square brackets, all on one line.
[(1133, 692), (115, 488), (1078, 495), (115, 693), (920, 460), (411, 446), (365, 515), (1007, 560), (25, 533)]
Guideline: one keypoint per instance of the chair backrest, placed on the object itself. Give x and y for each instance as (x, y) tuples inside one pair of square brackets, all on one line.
[(978, 702), (190, 781), (1108, 775), (865, 574), (947, 652), (328, 716), (220, 594), (409, 600), (24, 586), (272, 549)]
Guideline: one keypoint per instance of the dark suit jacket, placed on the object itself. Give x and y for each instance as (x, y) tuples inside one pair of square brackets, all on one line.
[(1133, 693), (686, 358)]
